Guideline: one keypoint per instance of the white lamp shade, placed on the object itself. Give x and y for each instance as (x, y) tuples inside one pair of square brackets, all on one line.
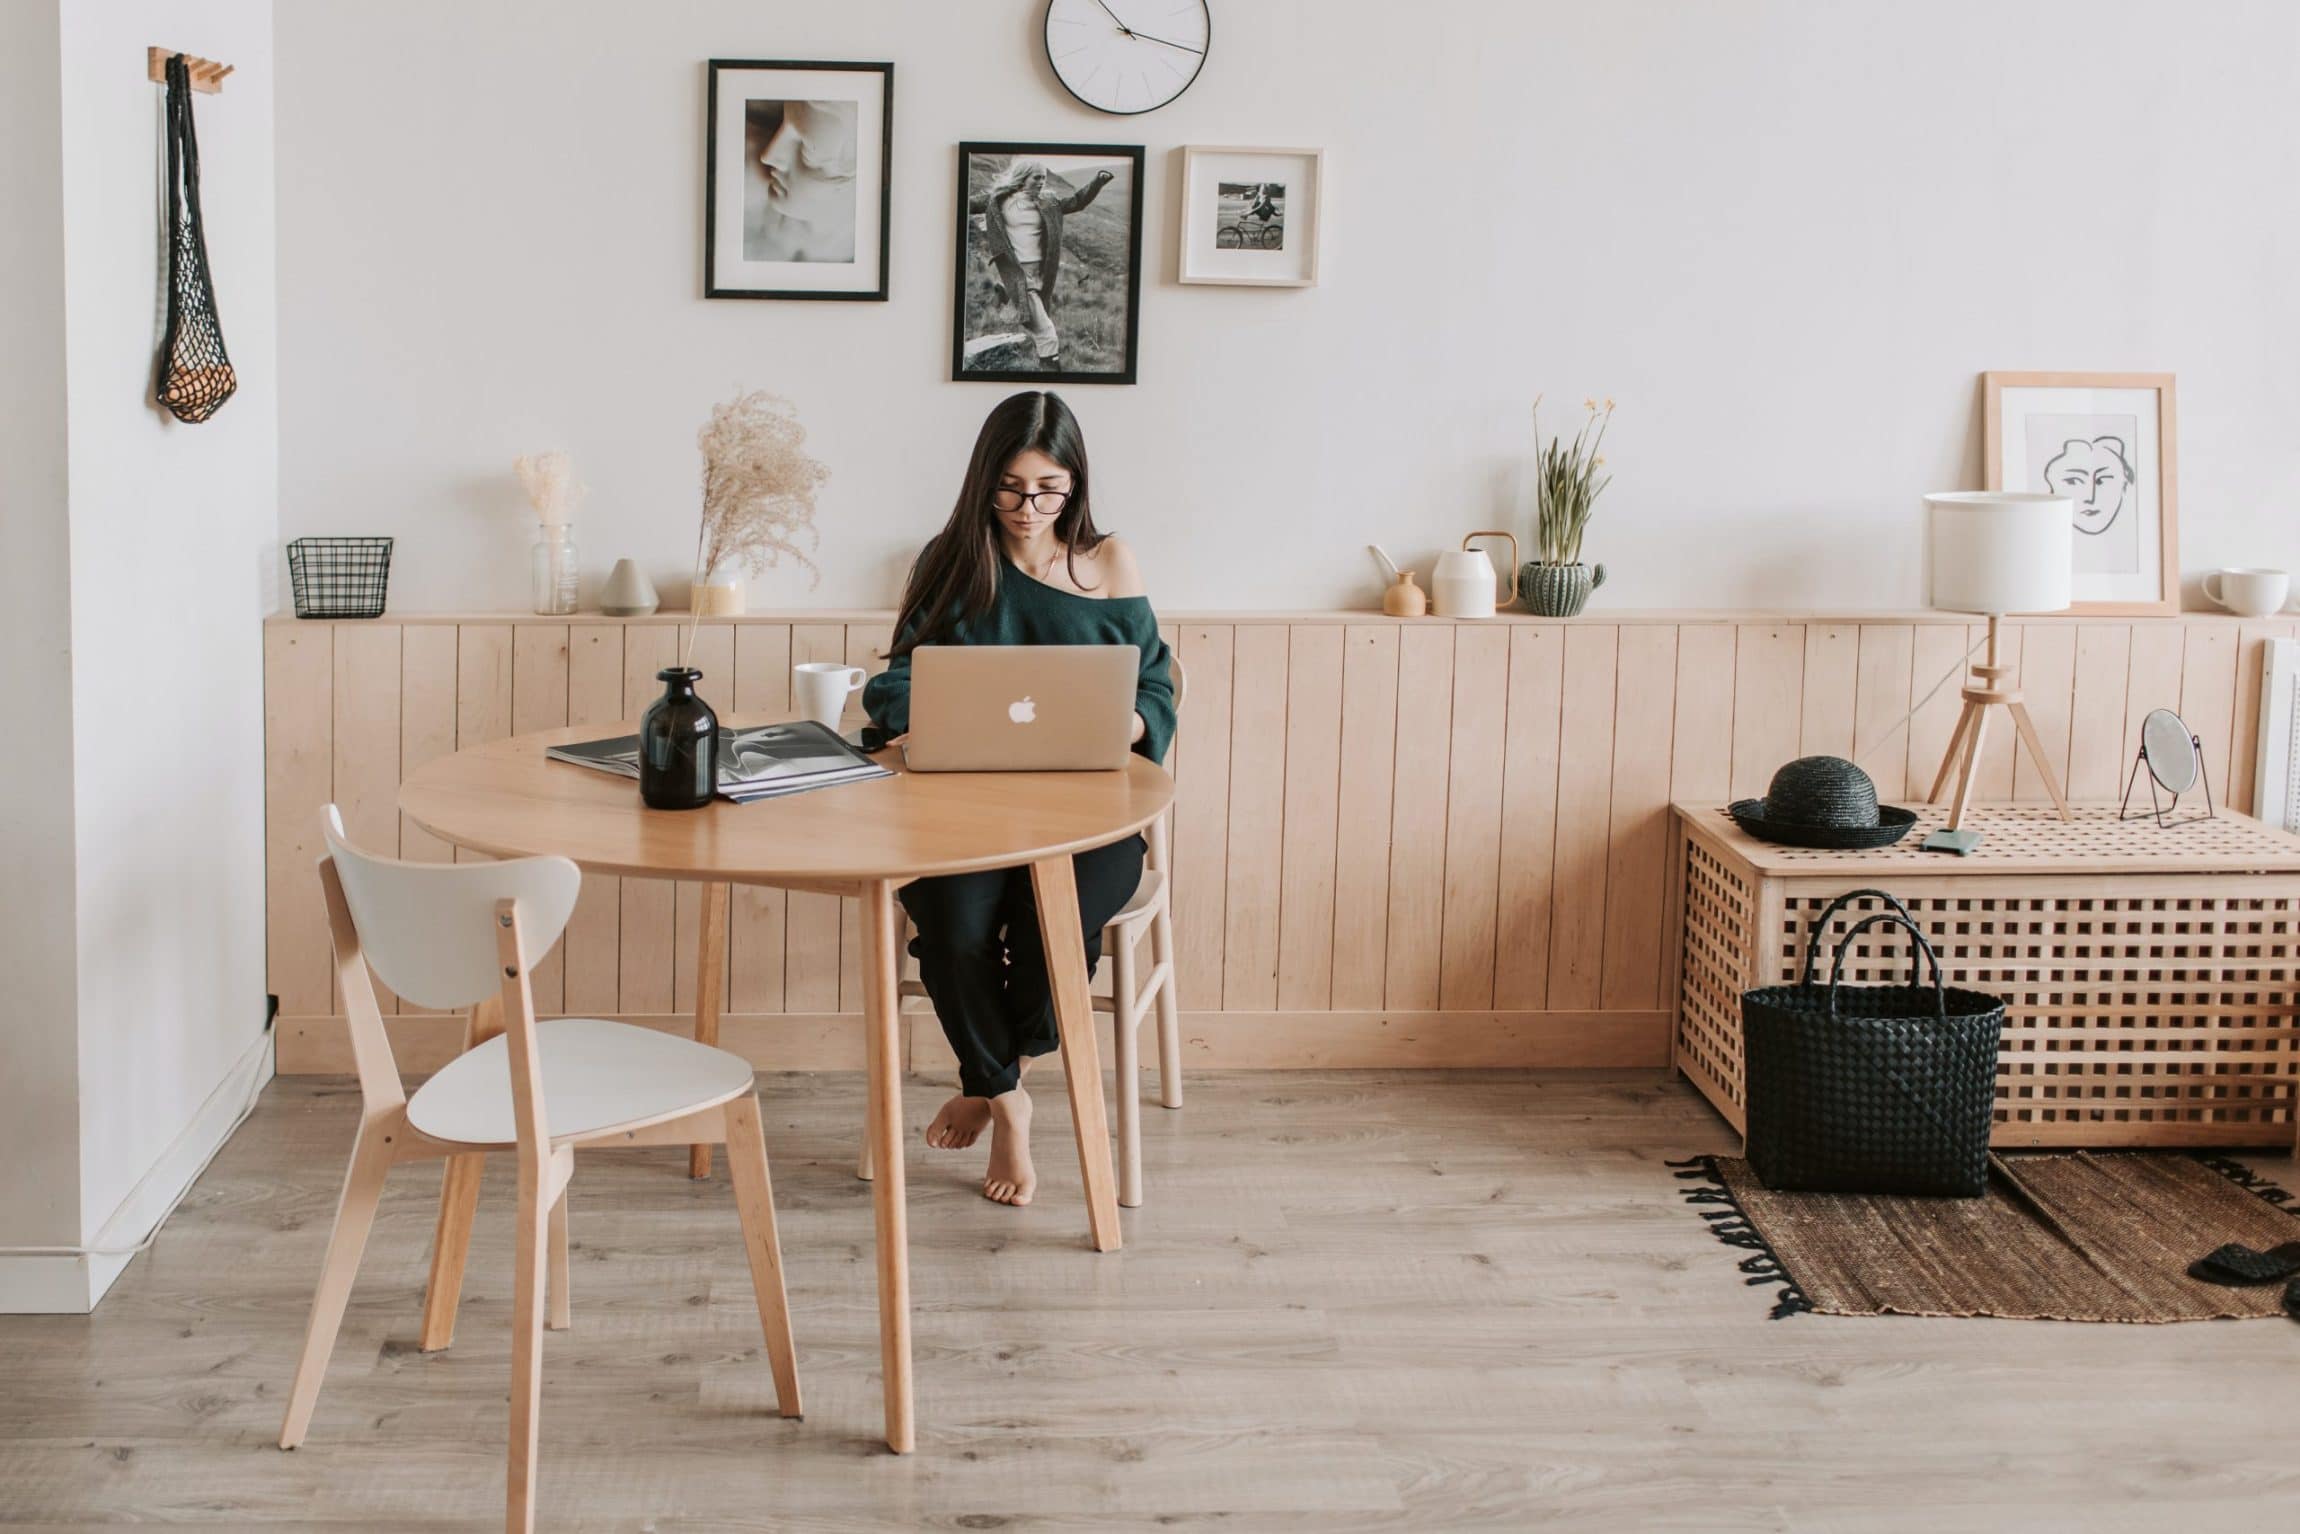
[(2001, 551)]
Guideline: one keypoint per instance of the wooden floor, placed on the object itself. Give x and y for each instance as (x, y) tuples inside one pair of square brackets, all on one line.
[(1354, 1301)]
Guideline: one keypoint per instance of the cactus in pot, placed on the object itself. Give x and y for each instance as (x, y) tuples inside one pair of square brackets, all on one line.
[(1556, 583)]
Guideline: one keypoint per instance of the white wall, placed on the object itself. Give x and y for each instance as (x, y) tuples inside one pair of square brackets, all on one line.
[(169, 527), (1787, 236), (168, 531), (39, 1103)]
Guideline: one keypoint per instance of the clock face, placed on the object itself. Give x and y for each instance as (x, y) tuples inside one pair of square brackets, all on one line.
[(1127, 56)]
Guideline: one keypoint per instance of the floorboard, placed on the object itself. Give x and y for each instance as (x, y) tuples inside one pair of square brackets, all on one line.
[(1355, 1300)]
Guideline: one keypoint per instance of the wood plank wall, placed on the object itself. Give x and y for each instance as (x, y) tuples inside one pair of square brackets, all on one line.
[(1424, 843)]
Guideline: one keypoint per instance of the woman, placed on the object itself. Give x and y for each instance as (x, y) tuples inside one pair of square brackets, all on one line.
[(1019, 562)]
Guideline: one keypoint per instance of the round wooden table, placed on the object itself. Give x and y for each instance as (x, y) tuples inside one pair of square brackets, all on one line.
[(860, 839)]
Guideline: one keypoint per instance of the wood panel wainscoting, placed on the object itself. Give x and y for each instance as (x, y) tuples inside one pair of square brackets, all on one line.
[(1396, 843)]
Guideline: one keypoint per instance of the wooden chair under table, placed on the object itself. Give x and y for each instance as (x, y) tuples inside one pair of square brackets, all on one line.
[(455, 935)]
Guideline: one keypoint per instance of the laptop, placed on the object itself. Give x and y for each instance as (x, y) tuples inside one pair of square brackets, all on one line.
[(1021, 708)]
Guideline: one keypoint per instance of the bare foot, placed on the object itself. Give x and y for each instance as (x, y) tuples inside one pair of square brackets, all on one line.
[(1010, 1178), (960, 1123)]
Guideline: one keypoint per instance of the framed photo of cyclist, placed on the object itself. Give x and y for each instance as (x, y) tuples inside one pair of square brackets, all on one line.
[(1250, 216), (1049, 263)]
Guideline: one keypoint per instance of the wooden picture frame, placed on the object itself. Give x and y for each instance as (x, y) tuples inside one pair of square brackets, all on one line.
[(819, 229), (2147, 465), (1266, 242), (994, 338)]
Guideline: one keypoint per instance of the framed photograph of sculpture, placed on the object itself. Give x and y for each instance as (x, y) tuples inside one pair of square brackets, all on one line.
[(1250, 217), (797, 175), (2106, 441), (1049, 284)]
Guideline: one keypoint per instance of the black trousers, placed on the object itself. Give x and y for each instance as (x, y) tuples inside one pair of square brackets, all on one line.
[(984, 966)]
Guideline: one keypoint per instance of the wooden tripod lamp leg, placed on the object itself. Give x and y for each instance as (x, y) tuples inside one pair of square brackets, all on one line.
[(2035, 743), (1971, 770), (1950, 757)]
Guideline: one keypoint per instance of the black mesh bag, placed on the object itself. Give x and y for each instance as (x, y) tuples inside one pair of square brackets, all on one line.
[(1871, 1088), (195, 374)]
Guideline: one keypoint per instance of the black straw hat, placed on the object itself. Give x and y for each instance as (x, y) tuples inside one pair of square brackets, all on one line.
[(1822, 801)]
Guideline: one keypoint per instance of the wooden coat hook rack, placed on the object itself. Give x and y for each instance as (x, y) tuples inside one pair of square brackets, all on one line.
[(206, 74)]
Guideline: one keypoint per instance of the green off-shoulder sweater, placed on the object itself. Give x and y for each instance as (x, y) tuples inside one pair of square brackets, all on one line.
[(1028, 611)]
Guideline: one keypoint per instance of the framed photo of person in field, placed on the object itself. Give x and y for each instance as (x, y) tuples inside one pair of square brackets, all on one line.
[(1250, 216), (1049, 263)]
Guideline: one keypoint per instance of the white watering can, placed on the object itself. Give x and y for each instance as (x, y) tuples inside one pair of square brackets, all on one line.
[(1465, 585)]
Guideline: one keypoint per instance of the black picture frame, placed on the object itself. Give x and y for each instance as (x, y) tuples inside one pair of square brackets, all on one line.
[(967, 264), (712, 286)]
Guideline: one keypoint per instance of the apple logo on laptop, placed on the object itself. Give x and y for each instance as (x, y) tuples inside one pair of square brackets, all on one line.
[(1023, 712)]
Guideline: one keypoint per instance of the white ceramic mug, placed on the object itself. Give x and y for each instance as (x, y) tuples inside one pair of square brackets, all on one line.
[(821, 688), (2249, 593)]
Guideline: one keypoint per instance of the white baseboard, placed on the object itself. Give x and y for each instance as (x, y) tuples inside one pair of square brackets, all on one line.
[(45, 1286), (73, 1284)]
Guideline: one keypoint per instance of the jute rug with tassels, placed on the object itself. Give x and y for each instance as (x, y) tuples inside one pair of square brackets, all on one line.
[(2089, 1236)]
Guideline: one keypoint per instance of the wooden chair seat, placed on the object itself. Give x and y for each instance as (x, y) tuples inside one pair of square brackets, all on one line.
[(599, 1078)]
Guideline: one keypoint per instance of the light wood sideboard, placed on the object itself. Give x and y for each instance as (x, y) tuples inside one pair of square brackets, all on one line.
[(1396, 842), (2150, 974)]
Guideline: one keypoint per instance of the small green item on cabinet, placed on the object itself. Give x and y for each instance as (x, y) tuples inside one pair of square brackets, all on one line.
[(1961, 843)]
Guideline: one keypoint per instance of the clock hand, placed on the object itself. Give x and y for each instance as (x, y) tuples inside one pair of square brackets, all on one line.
[(1113, 15), (1185, 47)]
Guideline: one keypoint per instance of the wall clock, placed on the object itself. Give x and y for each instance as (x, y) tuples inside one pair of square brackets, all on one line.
[(1127, 57)]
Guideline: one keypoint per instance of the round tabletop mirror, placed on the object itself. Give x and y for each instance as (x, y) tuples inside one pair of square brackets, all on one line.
[(2170, 747)]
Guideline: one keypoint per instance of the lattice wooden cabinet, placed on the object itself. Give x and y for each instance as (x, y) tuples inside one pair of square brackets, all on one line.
[(2152, 975)]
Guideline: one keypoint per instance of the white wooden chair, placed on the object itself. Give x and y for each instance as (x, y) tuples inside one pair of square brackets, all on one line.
[(455, 935), (1134, 992)]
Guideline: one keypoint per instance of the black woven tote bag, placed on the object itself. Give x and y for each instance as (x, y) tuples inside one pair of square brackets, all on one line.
[(1871, 1088)]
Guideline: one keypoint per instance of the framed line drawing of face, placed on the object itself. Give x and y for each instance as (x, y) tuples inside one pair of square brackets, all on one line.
[(2106, 441), (797, 179), (1250, 217)]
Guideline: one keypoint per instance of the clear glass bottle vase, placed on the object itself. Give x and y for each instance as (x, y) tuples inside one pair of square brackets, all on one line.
[(554, 569)]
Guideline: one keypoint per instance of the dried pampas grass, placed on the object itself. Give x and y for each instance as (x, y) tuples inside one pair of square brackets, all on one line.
[(551, 485), (758, 490)]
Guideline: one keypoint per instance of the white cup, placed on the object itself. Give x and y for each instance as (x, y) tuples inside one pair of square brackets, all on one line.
[(821, 689), (2249, 593)]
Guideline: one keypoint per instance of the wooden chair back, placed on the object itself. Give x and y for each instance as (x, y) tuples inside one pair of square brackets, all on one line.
[(444, 935), (1181, 682)]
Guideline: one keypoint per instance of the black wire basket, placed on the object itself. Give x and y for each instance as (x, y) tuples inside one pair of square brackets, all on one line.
[(1871, 1088), (339, 577)]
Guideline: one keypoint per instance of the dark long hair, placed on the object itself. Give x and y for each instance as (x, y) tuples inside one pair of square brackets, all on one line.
[(956, 577)]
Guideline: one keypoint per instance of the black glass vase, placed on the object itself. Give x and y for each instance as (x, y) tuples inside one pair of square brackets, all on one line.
[(678, 745)]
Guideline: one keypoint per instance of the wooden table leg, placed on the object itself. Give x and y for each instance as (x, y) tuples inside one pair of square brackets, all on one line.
[(1056, 889), (458, 1206), (882, 1006), (710, 980)]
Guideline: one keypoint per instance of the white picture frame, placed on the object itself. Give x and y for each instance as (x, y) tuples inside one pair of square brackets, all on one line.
[(2276, 776), (1251, 217)]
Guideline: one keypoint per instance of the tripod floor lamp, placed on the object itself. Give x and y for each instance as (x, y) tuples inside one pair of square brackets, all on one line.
[(1996, 552)]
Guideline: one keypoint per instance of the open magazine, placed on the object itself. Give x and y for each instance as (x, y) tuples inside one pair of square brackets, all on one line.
[(763, 761)]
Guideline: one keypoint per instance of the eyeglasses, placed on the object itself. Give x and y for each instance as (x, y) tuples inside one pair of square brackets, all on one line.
[(1042, 501)]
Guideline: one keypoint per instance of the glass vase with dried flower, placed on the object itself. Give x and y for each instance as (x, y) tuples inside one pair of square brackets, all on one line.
[(554, 492), (758, 500), (1556, 583)]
